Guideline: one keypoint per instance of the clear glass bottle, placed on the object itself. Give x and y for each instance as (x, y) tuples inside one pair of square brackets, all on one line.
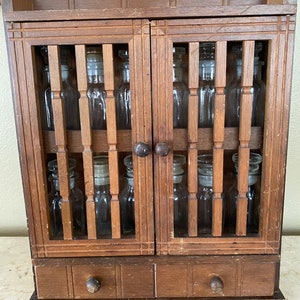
[(102, 195), (180, 194), (205, 193), (77, 202), (206, 85), (127, 199), (70, 96), (180, 90), (96, 92), (123, 98), (253, 195), (46, 102), (233, 92)]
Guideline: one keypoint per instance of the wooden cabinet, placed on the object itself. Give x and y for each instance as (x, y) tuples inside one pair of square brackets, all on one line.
[(155, 260)]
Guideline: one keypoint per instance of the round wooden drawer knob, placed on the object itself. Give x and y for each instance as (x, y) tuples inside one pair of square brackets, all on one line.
[(93, 285), (216, 284)]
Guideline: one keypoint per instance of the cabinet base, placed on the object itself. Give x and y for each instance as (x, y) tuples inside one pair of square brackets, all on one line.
[(277, 296)]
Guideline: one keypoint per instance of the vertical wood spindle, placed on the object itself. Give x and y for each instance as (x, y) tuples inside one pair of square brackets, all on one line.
[(60, 140), (193, 138), (244, 135), (107, 50), (218, 137), (86, 137)]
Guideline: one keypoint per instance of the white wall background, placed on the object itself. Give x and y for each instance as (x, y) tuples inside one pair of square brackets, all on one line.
[(12, 210)]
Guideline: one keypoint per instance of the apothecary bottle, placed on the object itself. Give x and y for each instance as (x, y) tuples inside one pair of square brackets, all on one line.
[(234, 91), (102, 195), (205, 193), (253, 194), (70, 97), (180, 90), (206, 85), (127, 199), (96, 92), (123, 97), (76, 199), (180, 194)]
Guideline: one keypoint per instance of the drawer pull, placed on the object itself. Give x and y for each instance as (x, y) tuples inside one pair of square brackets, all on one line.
[(216, 284), (93, 285)]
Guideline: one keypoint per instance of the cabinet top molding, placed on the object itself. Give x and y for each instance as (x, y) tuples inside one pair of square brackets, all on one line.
[(55, 10)]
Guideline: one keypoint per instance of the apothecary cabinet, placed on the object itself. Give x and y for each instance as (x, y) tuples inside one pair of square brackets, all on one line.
[(181, 106)]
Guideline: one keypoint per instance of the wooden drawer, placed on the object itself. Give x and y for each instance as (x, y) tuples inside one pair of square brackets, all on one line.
[(189, 280), (158, 277), (117, 281)]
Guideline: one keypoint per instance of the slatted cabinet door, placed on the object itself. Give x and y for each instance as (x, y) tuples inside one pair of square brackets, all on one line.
[(231, 38), (53, 45)]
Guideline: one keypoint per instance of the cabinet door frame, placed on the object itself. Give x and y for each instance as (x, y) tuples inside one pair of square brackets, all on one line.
[(279, 32), (22, 38)]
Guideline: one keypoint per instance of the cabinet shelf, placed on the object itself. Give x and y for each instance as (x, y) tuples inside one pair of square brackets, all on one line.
[(205, 140)]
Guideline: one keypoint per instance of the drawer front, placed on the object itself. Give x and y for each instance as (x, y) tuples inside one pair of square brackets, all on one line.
[(115, 281), (51, 282), (203, 280)]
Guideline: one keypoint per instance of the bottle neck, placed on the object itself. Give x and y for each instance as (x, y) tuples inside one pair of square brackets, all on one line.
[(125, 72), (56, 184), (100, 181), (130, 182), (207, 70), (177, 72)]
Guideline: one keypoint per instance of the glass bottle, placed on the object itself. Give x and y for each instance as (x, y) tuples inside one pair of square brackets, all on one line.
[(123, 98), (46, 102), (205, 193), (233, 91), (77, 202), (253, 195), (206, 85), (96, 92), (180, 194), (70, 97), (102, 195), (127, 199), (180, 90)]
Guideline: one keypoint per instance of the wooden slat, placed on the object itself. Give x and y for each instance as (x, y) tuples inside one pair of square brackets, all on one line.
[(244, 136), (86, 137), (61, 140), (218, 137), (112, 139), (193, 138)]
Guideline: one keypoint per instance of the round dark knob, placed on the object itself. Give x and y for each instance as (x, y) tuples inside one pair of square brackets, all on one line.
[(142, 149), (93, 285), (216, 284), (162, 149)]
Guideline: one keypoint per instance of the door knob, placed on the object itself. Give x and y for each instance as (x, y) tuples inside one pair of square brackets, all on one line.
[(216, 284), (93, 285), (162, 149), (141, 149)]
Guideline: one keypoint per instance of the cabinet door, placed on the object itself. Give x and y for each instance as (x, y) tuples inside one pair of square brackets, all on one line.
[(230, 213), (55, 122)]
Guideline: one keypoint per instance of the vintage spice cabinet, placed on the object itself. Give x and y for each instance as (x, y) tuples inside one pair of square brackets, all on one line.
[(155, 261)]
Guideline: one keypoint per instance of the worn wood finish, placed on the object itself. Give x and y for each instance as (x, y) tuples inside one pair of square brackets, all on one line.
[(133, 277), (86, 137), (244, 136), (218, 137), (112, 140), (153, 262), (60, 140), (193, 138)]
